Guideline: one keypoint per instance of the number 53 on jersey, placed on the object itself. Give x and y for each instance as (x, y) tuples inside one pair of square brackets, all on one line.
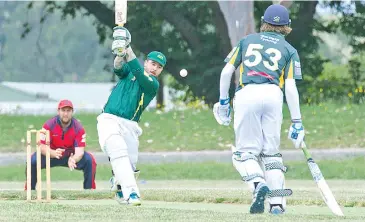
[(265, 58)]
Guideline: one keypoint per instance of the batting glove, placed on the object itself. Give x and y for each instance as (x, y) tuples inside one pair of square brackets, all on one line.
[(296, 133), (222, 112), (122, 40)]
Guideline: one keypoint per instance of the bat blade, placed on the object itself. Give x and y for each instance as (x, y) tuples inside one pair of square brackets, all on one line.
[(328, 197), (120, 12), (325, 191)]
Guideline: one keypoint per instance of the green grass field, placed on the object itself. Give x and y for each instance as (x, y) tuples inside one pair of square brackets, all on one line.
[(327, 125), (184, 192), (350, 169), (181, 200), (107, 210)]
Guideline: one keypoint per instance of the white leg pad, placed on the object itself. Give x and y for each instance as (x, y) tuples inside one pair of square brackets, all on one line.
[(248, 167), (274, 175), (116, 149), (124, 174)]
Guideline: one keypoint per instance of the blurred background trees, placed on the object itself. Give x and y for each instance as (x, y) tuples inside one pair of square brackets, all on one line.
[(70, 41)]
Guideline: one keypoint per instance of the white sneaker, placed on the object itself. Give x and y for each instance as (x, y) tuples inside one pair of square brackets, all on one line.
[(134, 199)]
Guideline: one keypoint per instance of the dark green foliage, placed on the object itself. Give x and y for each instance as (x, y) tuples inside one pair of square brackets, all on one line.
[(194, 37)]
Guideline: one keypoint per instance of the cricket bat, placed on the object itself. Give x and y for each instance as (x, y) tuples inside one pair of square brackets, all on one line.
[(120, 12), (326, 193)]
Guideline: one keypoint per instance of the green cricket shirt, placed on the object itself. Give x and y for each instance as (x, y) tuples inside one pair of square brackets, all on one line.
[(133, 92)]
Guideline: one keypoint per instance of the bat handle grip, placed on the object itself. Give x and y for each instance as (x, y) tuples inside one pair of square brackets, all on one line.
[(305, 151), (303, 145)]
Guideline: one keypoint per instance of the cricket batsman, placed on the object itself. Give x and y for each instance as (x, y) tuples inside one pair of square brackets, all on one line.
[(267, 64), (117, 125)]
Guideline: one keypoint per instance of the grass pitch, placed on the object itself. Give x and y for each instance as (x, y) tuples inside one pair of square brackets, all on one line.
[(108, 210), (180, 200)]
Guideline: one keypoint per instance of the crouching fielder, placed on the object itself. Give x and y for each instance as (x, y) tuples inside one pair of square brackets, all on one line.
[(265, 60), (117, 125)]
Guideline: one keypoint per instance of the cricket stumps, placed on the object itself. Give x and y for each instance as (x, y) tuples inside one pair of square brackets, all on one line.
[(44, 135)]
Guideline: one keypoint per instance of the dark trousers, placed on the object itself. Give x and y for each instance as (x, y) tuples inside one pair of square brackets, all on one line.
[(87, 164)]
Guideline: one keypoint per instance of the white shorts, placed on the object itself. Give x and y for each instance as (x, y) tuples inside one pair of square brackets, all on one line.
[(128, 130), (258, 118)]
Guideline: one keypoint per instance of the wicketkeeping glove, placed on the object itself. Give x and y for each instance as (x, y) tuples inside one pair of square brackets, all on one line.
[(222, 112), (296, 133), (122, 39)]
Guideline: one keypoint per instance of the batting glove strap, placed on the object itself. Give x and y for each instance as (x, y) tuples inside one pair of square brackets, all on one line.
[(296, 121), (224, 101)]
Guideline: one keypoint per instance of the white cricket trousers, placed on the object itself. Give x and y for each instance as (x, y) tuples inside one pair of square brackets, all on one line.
[(257, 124), (258, 118), (118, 138), (110, 125)]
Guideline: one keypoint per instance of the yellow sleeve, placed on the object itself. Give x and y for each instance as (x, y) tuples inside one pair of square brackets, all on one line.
[(293, 69), (235, 56)]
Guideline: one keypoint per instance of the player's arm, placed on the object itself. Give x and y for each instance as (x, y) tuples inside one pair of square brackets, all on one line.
[(42, 142), (233, 60), (43, 146), (292, 73), (222, 109), (121, 69), (148, 83), (79, 144)]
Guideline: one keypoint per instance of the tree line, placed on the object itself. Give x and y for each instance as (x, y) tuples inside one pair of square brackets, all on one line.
[(196, 36)]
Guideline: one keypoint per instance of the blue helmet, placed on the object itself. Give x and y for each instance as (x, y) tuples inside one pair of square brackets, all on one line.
[(276, 15)]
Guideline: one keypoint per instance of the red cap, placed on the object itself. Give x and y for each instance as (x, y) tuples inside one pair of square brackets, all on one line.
[(65, 103)]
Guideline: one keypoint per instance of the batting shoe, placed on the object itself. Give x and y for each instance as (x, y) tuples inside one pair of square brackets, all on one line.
[(134, 200), (276, 209), (119, 198), (260, 194), (118, 191)]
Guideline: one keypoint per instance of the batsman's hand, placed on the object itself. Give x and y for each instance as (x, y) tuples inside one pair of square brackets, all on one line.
[(122, 40), (296, 133), (58, 153), (222, 112), (71, 162), (118, 62)]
